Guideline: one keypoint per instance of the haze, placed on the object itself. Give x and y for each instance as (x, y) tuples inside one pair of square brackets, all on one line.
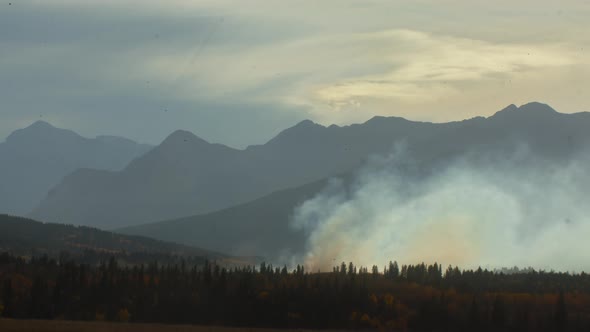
[(513, 209)]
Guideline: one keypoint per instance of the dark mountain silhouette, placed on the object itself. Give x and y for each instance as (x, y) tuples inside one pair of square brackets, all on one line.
[(27, 237), (260, 227), (187, 176), (36, 158)]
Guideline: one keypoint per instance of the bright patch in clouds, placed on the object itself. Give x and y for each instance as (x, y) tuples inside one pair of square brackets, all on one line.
[(423, 62), (337, 76)]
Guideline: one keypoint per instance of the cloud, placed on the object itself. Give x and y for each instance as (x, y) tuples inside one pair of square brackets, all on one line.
[(334, 61), (85, 68), (425, 67), (333, 70)]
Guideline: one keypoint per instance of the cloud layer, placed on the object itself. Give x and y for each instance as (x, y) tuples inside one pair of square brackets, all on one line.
[(146, 68)]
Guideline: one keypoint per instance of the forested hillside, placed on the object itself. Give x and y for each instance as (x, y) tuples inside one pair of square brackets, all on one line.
[(31, 238)]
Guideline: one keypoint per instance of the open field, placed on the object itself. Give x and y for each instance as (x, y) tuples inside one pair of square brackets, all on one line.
[(11, 325)]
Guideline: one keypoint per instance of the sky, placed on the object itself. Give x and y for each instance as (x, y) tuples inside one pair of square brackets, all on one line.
[(239, 72)]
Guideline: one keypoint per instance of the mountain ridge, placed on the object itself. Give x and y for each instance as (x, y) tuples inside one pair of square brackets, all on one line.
[(35, 158), (187, 176), (236, 229), (28, 237)]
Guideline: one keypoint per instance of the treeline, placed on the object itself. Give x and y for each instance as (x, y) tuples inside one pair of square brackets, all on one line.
[(25, 237), (405, 298)]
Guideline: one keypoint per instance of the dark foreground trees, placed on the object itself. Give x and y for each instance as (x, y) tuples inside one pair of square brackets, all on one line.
[(410, 297)]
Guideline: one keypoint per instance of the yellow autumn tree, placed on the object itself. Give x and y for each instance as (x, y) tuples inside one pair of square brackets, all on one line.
[(388, 299), (99, 316), (123, 315)]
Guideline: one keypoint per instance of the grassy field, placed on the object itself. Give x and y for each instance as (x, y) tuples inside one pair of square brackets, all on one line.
[(10, 325)]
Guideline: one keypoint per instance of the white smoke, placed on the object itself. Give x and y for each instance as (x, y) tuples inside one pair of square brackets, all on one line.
[(521, 210)]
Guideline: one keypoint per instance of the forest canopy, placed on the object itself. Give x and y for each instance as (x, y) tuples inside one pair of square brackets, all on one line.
[(408, 297)]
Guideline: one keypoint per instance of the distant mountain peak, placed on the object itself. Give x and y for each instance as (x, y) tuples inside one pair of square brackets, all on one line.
[(381, 119), (532, 107), (306, 123), (506, 110), (183, 137), (40, 130), (536, 107), (41, 124), (509, 108), (303, 128)]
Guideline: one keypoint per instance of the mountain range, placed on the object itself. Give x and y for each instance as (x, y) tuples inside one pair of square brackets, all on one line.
[(190, 191), (36, 158), (262, 227), (185, 175)]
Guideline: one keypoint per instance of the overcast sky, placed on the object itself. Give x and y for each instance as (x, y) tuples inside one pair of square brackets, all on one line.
[(237, 72)]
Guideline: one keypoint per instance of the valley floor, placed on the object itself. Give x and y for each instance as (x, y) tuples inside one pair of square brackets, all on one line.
[(12, 325)]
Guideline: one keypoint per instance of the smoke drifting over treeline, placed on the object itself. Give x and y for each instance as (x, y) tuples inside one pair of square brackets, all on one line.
[(479, 209)]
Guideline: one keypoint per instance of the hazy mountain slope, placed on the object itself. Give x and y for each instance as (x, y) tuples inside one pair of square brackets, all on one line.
[(34, 159), (261, 227), (187, 176), (25, 237)]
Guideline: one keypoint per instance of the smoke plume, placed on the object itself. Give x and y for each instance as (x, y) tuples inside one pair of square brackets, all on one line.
[(510, 209)]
